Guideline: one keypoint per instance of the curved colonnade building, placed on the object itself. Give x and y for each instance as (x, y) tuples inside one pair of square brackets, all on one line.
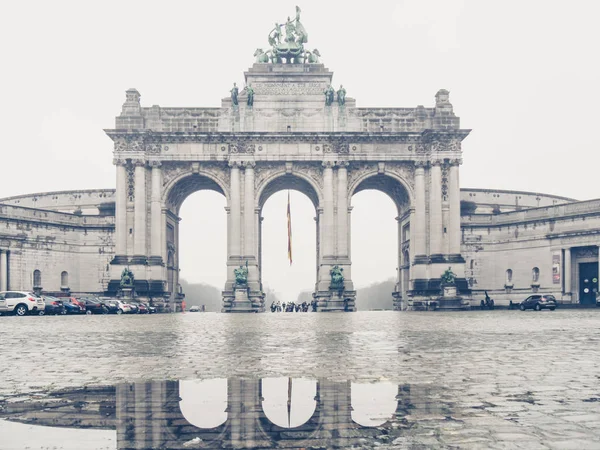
[(514, 243)]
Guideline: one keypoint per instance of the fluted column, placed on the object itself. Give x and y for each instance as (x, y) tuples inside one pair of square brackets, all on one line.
[(454, 212), (328, 224), (342, 209), (3, 270), (121, 209), (235, 211), (139, 245), (435, 209), (418, 226), (249, 214), (156, 214)]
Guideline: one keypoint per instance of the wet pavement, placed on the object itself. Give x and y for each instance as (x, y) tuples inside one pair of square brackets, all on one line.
[(480, 379)]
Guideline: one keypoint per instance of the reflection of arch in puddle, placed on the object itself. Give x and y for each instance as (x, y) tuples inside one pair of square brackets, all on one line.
[(204, 402), (373, 404), (287, 402)]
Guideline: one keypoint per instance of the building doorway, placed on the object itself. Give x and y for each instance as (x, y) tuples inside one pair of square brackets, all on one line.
[(588, 283)]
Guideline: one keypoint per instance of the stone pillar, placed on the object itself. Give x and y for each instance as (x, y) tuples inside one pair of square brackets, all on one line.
[(3, 270), (235, 212), (435, 209), (139, 243), (342, 210), (249, 210), (567, 269), (454, 212), (121, 210), (156, 215), (418, 226), (328, 223)]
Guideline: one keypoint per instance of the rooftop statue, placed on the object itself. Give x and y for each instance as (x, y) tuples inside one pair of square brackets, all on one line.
[(341, 95), (234, 94), (292, 48)]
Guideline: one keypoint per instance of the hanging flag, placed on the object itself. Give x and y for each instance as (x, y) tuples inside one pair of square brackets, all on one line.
[(289, 225)]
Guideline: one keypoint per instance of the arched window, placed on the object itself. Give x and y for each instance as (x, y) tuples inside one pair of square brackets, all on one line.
[(37, 278), (509, 276), (535, 275), (64, 279)]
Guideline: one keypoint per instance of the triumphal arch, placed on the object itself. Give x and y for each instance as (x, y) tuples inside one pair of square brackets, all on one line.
[(288, 128)]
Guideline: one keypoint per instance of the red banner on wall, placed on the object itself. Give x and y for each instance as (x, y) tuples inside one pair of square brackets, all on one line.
[(556, 268)]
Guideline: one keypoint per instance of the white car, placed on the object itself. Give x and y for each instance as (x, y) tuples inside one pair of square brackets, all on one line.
[(117, 307), (21, 303)]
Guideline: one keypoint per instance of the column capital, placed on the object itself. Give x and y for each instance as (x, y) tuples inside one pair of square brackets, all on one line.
[(455, 161), (234, 164), (119, 161), (138, 163), (420, 164), (343, 164), (155, 164), (328, 164), (436, 162), (249, 164)]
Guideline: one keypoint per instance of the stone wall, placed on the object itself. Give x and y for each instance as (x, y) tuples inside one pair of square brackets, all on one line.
[(54, 242)]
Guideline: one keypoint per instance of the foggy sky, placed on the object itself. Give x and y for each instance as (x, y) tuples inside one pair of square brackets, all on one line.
[(522, 75)]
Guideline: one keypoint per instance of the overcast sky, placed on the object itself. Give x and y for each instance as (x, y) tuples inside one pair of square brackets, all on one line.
[(523, 75)]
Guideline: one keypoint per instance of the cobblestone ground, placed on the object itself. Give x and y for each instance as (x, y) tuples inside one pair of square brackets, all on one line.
[(497, 379)]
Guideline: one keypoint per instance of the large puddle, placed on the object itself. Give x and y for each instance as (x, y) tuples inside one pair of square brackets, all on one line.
[(216, 413)]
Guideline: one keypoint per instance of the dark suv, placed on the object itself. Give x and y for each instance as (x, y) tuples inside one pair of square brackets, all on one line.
[(538, 302)]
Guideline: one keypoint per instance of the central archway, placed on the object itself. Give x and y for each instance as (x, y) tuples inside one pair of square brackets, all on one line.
[(272, 206)]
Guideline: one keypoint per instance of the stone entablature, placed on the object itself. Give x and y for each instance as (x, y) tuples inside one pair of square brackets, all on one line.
[(87, 201), (493, 201), (557, 212), (48, 217)]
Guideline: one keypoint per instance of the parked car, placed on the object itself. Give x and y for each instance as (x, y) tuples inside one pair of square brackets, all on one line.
[(117, 307), (134, 307), (538, 302), (151, 309), (54, 305), (21, 303), (195, 309), (142, 307), (94, 306), (73, 306)]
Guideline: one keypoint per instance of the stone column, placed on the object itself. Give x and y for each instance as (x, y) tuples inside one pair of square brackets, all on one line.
[(454, 204), (567, 269), (156, 214), (139, 243), (249, 232), (3, 270), (121, 209), (328, 223), (435, 209), (418, 226), (235, 212), (342, 210)]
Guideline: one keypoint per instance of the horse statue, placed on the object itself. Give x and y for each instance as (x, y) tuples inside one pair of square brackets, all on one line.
[(261, 56)]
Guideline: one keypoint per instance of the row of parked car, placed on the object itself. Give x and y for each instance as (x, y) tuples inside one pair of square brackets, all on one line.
[(22, 303)]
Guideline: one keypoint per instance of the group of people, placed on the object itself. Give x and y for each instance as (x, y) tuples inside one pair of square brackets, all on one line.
[(293, 307)]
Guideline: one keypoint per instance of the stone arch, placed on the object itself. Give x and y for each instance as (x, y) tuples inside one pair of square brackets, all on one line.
[(303, 407), (187, 182), (280, 180), (390, 183)]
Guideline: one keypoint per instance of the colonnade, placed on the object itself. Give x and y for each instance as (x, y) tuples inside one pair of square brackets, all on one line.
[(3, 270)]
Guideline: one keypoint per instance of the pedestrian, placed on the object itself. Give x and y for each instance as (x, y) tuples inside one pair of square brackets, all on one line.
[(182, 306)]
